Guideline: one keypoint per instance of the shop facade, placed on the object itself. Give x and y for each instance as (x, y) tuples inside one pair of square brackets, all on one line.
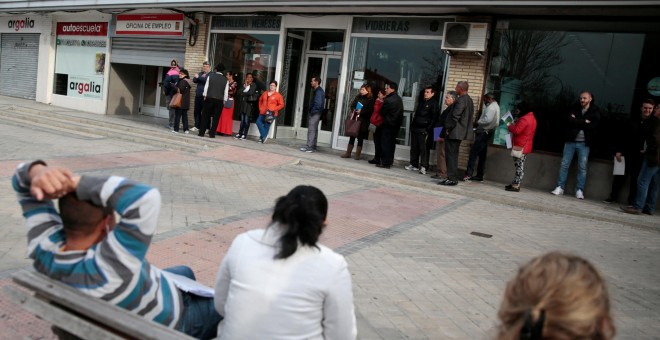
[(24, 51)]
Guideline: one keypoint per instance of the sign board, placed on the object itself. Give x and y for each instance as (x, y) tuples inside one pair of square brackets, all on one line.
[(246, 23), (400, 25), (20, 24), (150, 24)]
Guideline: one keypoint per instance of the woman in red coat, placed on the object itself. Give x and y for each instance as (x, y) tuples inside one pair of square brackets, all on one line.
[(522, 131)]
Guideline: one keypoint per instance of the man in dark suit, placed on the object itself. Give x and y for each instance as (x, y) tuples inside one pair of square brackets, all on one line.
[(215, 94), (392, 113), (458, 127)]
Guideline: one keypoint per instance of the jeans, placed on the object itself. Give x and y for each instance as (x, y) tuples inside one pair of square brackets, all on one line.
[(479, 150), (583, 155), (199, 318), (418, 148), (647, 187), (245, 124), (170, 112), (313, 129), (263, 127), (199, 104), (181, 115)]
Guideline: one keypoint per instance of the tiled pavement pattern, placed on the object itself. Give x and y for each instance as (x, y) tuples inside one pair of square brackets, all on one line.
[(417, 272)]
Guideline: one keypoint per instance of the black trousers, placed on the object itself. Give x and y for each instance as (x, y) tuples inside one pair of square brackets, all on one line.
[(479, 150), (451, 157), (633, 165), (210, 114), (197, 114), (388, 144), (418, 145), (377, 144)]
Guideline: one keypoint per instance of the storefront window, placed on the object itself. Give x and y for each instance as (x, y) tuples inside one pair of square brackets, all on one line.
[(412, 63), (548, 65), (80, 59), (244, 53)]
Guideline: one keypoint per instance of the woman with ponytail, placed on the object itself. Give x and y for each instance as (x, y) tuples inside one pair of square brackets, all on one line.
[(280, 283)]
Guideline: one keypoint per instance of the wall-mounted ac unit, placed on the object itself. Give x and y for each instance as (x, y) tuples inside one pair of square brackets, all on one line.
[(465, 36)]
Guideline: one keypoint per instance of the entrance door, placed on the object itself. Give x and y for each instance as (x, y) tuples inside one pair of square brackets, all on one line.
[(153, 101), (326, 67)]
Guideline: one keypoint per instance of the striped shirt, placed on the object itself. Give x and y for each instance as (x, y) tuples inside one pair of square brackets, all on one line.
[(114, 269)]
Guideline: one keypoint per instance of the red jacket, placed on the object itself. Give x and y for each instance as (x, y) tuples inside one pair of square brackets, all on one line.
[(376, 118), (523, 132), (274, 102)]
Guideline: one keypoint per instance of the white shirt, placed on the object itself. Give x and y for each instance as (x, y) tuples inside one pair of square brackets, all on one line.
[(491, 117), (305, 296)]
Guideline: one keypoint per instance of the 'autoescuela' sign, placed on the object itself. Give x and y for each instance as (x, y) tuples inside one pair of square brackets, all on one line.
[(150, 24)]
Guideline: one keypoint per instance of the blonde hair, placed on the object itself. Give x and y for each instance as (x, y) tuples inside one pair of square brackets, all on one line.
[(556, 296)]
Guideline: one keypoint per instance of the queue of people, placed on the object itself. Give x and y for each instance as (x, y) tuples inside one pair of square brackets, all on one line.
[(273, 283)]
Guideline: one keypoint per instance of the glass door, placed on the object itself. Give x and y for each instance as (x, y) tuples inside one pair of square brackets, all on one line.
[(153, 101), (326, 67)]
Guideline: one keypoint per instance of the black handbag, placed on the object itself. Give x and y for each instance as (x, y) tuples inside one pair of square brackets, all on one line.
[(269, 116)]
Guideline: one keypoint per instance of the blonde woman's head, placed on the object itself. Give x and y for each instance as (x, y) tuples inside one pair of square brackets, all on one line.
[(556, 296)]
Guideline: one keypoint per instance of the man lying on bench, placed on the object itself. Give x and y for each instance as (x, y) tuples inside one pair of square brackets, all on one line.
[(84, 247)]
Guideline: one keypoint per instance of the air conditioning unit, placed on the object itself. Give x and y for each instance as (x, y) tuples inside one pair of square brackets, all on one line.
[(465, 36)]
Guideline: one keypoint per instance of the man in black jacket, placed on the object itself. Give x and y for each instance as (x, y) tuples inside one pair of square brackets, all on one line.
[(458, 127), (420, 129), (200, 80), (215, 94), (582, 124), (630, 149), (392, 113)]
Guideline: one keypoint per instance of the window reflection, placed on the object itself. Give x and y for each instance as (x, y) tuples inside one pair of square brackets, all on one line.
[(412, 63), (245, 53), (549, 68)]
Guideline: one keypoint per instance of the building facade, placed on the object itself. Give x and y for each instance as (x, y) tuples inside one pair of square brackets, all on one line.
[(545, 52)]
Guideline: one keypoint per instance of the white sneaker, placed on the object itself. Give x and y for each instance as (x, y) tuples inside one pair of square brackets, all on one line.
[(194, 129), (174, 131), (558, 191), (186, 132), (422, 170), (411, 168), (579, 194), (265, 139)]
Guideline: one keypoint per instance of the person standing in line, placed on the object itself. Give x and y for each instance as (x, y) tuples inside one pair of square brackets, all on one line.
[(169, 85), (249, 99), (215, 93), (392, 113), (422, 124), (376, 120), (582, 124), (227, 115), (316, 106), (200, 80), (648, 180), (458, 127), (272, 101), (486, 124), (631, 146), (522, 132), (366, 99), (184, 86), (441, 163)]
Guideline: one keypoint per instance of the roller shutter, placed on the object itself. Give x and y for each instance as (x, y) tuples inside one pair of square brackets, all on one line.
[(18, 64), (147, 51)]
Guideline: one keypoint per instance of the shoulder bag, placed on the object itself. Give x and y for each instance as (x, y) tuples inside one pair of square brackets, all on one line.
[(175, 103), (269, 117), (352, 125)]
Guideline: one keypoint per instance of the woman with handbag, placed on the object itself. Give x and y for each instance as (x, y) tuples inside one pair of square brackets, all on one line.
[(522, 131), (270, 103), (363, 106), (227, 116), (181, 112), (374, 123)]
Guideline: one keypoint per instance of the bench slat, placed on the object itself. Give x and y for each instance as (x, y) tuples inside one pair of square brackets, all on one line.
[(101, 312), (69, 322)]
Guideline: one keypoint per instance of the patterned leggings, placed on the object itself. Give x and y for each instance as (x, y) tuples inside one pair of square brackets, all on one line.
[(519, 163)]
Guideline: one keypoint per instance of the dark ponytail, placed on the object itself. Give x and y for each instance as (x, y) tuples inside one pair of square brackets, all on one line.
[(301, 214)]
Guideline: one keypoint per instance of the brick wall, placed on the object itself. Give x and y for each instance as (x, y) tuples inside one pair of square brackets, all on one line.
[(195, 56)]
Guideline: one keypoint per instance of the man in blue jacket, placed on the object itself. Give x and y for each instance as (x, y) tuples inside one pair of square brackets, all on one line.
[(316, 105)]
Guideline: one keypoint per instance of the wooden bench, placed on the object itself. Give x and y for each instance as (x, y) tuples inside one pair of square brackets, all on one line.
[(76, 315)]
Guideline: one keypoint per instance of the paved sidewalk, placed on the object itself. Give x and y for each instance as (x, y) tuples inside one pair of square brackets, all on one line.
[(417, 271)]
